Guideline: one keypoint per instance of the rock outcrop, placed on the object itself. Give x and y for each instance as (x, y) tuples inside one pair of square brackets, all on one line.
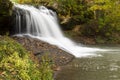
[(39, 48), (5, 14)]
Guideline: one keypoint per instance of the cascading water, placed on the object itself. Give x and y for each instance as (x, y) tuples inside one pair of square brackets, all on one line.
[(42, 23)]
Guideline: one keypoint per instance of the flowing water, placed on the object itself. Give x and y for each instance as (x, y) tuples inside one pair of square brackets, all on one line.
[(42, 23), (104, 67), (99, 63)]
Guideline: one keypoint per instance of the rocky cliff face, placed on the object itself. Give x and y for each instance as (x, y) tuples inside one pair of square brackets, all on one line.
[(5, 13)]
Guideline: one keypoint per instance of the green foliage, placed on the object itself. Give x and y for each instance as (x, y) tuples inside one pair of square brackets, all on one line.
[(45, 68), (34, 2), (100, 5), (15, 63), (105, 27), (106, 20), (5, 8), (112, 16), (76, 9), (101, 17)]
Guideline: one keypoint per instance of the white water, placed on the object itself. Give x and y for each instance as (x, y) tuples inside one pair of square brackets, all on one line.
[(42, 24)]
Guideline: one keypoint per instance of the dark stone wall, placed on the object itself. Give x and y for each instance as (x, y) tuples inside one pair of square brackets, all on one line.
[(5, 16)]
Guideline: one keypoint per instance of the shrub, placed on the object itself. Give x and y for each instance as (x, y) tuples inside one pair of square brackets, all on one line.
[(15, 63)]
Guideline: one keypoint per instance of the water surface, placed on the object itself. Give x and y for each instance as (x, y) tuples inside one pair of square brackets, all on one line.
[(104, 67)]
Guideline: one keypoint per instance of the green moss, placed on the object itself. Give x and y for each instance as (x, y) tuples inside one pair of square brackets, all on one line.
[(5, 7), (5, 15), (16, 64)]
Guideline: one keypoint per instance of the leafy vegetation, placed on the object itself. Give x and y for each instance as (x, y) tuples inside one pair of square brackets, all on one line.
[(107, 14), (16, 64), (45, 68), (77, 10), (33, 2), (5, 7), (100, 19), (105, 25)]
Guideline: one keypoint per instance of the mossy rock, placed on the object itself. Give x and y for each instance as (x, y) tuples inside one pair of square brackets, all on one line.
[(5, 12), (5, 7)]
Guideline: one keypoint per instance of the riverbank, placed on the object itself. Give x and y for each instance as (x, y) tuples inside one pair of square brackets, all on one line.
[(16, 63), (47, 58), (38, 48), (91, 40)]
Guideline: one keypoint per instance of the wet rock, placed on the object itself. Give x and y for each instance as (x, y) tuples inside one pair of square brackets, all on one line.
[(39, 48), (56, 68)]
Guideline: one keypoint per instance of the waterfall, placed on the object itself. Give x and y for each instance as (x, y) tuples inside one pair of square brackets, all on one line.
[(42, 23)]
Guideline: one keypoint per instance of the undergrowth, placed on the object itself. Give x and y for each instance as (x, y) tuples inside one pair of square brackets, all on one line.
[(16, 64)]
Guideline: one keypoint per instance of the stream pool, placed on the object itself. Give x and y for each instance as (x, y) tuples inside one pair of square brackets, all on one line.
[(104, 67)]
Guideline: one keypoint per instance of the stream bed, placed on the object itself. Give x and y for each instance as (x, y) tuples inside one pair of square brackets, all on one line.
[(104, 67)]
